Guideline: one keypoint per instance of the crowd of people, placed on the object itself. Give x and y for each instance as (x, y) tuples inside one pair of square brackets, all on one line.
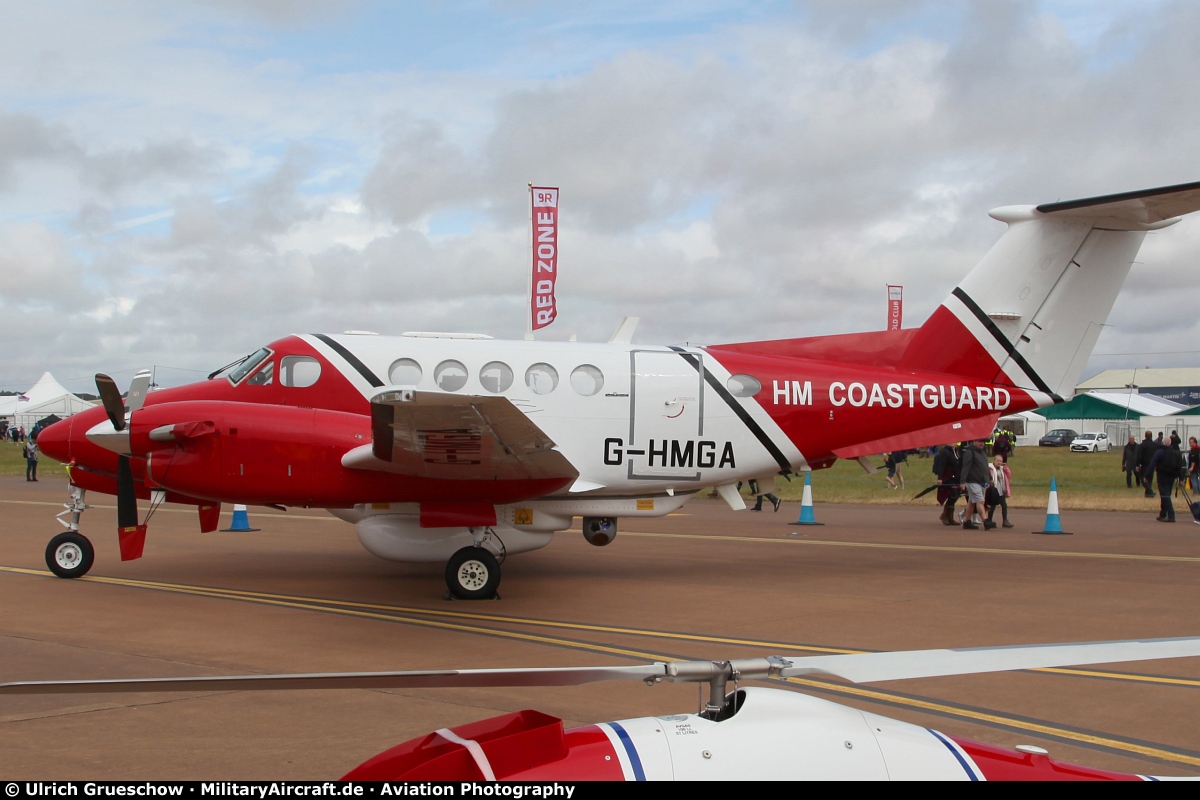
[(1159, 463), (964, 471), (967, 470)]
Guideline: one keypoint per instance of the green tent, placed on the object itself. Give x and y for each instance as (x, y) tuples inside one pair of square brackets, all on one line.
[(1086, 406)]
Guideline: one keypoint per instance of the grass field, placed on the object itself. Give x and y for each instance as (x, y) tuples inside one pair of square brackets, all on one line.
[(1085, 480)]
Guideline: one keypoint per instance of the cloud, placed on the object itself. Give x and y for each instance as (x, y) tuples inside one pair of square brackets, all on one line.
[(194, 183)]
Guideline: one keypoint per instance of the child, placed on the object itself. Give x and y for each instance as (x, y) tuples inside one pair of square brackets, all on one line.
[(999, 492)]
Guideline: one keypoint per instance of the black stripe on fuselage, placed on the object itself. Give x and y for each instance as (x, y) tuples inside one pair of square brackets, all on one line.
[(1008, 346), (741, 412), (352, 360)]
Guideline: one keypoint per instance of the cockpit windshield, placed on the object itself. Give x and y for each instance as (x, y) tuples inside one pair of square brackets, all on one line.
[(246, 366)]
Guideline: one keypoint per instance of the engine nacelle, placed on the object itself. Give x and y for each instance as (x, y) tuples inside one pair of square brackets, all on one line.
[(400, 537), (599, 530)]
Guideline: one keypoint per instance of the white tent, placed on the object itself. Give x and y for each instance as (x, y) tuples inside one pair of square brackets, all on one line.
[(44, 398)]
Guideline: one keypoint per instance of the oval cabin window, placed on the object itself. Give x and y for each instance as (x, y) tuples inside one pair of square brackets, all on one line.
[(404, 372), (541, 378), (496, 377), (587, 380), (450, 375)]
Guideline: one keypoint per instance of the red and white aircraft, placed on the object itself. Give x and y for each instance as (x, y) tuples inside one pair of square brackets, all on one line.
[(466, 449), (751, 733)]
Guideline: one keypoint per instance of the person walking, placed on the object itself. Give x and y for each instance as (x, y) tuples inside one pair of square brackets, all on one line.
[(1193, 464), (31, 459), (973, 476), (998, 493), (1003, 445), (1145, 451), (895, 463), (945, 468), (1129, 460), (1166, 465), (775, 501)]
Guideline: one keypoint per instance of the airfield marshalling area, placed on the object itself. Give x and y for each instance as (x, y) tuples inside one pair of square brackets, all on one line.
[(301, 595)]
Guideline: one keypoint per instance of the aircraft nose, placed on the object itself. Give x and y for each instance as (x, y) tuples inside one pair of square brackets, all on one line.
[(55, 441)]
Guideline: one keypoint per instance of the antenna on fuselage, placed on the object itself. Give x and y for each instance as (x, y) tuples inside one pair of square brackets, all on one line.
[(624, 333)]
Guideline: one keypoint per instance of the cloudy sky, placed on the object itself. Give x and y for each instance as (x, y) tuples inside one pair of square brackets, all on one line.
[(183, 182)]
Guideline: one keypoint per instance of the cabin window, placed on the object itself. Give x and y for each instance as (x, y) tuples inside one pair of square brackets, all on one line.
[(496, 376), (404, 372), (450, 375), (248, 363), (541, 378), (743, 385), (587, 380), (299, 371), (264, 377)]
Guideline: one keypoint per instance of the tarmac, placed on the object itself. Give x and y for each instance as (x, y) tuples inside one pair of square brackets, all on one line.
[(301, 595)]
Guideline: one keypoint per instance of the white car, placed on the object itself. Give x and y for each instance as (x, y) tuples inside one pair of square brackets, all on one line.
[(1091, 443)]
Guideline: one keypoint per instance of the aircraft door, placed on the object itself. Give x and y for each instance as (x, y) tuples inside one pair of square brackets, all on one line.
[(666, 420)]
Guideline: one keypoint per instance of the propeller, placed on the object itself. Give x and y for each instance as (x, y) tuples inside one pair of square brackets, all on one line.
[(132, 535), (854, 667)]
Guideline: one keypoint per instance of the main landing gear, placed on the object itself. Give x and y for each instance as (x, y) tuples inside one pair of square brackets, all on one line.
[(70, 554), (473, 573)]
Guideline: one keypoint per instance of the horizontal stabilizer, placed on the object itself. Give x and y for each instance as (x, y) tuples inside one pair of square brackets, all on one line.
[(1145, 207), (979, 428)]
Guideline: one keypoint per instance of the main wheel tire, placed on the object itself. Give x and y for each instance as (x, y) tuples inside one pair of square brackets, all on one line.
[(473, 573), (70, 555)]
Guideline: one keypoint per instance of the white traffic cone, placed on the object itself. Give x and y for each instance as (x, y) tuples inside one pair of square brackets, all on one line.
[(1053, 522), (806, 504)]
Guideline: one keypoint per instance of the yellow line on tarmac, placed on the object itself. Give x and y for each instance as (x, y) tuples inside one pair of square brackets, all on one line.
[(924, 547), (311, 606), (557, 624), (869, 694)]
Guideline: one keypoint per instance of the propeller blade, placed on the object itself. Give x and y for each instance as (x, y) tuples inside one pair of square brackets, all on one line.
[(872, 667), (856, 667), (110, 395), (127, 510), (553, 676), (137, 390)]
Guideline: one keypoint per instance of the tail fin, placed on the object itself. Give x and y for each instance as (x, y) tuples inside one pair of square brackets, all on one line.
[(1030, 313)]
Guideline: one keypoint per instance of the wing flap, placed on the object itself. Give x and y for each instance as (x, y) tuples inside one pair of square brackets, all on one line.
[(456, 437)]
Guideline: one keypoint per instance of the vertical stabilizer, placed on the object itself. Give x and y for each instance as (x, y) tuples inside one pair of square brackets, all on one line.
[(1030, 313)]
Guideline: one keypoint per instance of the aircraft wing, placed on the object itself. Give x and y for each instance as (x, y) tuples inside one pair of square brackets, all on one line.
[(456, 437)]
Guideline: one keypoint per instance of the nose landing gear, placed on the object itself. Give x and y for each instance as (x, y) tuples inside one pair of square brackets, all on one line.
[(70, 554)]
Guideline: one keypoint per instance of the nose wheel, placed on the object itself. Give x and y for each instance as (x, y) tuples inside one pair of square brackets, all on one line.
[(473, 573), (70, 555)]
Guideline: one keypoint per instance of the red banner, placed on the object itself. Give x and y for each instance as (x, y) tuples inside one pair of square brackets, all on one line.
[(895, 307), (543, 308)]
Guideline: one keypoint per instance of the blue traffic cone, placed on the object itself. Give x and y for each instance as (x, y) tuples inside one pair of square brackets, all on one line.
[(241, 521), (806, 504), (1053, 523)]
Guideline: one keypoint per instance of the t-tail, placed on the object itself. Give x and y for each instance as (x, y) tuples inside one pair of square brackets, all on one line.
[(1030, 313)]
